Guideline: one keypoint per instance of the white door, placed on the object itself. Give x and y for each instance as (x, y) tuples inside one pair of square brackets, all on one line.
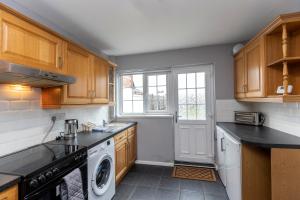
[(194, 114)]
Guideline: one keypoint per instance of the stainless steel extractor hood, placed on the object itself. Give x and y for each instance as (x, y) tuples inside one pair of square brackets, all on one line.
[(11, 73)]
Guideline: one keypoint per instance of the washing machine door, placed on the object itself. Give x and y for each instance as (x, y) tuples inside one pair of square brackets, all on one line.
[(102, 175)]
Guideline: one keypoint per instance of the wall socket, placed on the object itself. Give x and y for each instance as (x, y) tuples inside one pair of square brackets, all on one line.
[(59, 116)]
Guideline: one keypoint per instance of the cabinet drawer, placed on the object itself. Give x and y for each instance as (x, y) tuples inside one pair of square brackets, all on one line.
[(132, 131), (10, 193), (121, 136)]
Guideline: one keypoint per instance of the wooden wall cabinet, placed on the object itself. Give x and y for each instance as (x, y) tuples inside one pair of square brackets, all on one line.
[(78, 63), (10, 193), (25, 43), (249, 71), (125, 152)]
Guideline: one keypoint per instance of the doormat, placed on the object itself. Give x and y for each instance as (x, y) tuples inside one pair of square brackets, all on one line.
[(194, 173)]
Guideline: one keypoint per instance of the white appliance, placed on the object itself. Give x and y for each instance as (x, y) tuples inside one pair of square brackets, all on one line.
[(101, 171), (229, 163)]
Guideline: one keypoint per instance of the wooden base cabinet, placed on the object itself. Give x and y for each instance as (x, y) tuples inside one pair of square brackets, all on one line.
[(125, 152), (10, 193)]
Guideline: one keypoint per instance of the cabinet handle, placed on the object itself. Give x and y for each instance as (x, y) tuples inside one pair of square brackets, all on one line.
[(222, 145), (60, 62)]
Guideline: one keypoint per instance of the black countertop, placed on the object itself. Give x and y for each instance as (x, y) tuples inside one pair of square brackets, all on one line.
[(7, 181), (260, 136), (92, 139)]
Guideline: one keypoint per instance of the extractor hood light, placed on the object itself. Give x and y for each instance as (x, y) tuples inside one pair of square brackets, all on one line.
[(20, 88)]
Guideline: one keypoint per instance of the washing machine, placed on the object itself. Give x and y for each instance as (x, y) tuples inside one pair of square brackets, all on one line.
[(101, 171)]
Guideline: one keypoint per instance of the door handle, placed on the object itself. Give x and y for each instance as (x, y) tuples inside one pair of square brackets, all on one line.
[(176, 117), (222, 145)]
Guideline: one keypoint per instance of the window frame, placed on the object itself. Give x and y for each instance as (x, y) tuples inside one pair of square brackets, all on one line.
[(145, 94)]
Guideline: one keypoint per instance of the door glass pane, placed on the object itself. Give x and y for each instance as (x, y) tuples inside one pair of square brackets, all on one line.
[(191, 112), (201, 112), (103, 173), (182, 112), (181, 80), (200, 79), (201, 96), (191, 80), (191, 96), (182, 96)]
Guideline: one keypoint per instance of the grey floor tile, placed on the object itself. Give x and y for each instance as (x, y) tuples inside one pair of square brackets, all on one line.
[(167, 172), (214, 188), (191, 195), (143, 193), (155, 170), (215, 197), (191, 185), (165, 194), (151, 181), (124, 191), (132, 178), (169, 183)]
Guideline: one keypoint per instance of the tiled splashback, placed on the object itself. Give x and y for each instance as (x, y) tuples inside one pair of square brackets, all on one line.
[(284, 117), (225, 109), (23, 123)]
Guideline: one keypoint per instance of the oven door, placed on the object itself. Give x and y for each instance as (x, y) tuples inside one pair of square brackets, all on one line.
[(51, 191)]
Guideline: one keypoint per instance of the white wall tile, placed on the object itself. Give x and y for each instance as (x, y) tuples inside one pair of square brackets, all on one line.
[(225, 109)]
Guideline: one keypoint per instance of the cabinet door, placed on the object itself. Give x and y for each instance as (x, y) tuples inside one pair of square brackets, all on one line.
[(239, 68), (254, 69), (121, 159), (221, 154), (99, 77), (25, 43), (78, 65), (10, 193), (132, 146)]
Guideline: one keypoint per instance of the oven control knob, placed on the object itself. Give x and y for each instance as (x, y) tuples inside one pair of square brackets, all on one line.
[(33, 183), (55, 171), (49, 174), (42, 179)]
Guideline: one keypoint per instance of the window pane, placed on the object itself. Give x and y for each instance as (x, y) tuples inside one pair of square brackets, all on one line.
[(127, 106), (127, 93), (182, 96), (152, 98), (127, 81), (162, 79), (181, 80), (191, 96), (201, 112), (152, 80), (137, 80), (191, 80), (201, 96), (192, 112), (182, 112), (138, 93), (200, 79), (138, 107)]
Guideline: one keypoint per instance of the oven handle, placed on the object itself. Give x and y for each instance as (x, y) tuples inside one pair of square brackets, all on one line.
[(45, 187)]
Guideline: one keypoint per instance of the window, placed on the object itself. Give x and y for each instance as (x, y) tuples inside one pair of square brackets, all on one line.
[(144, 93), (191, 96)]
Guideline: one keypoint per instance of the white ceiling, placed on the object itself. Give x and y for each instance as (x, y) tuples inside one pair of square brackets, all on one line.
[(121, 27)]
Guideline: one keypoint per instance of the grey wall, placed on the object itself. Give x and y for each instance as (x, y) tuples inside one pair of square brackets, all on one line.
[(155, 135), (219, 55)]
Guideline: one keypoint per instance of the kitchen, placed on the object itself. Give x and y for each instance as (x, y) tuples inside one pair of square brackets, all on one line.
[(115, 110)]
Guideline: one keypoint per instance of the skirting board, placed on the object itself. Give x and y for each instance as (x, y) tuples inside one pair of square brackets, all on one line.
[(145, 162)]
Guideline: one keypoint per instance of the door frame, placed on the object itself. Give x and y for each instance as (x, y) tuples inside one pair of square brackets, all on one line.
[(190, 67)]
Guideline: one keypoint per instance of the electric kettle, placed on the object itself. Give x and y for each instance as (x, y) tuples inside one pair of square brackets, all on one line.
[(71, 128)]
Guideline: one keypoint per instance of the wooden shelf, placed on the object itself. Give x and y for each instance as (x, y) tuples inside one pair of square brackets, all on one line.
[(281, 60)]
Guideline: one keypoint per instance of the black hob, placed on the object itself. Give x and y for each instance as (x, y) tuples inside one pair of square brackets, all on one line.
[(41, 164)]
